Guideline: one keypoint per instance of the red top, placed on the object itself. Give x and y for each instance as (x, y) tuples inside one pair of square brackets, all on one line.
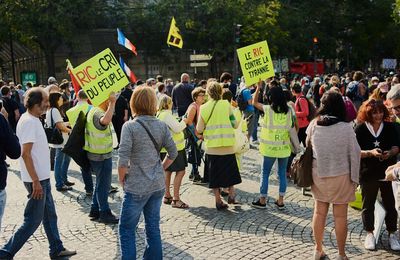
[(301, 106)]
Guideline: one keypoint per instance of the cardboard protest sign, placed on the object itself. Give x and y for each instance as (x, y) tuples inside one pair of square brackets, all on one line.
[(256, 63), (99, 76)]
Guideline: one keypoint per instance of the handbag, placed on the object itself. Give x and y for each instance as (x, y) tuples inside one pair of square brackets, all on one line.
[(53, 134), (242, 143), (301, 168)]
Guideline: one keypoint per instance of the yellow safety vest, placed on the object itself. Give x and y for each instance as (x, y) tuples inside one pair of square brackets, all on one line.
[(73, 112), (97, 141), (219, 131), (179, 138), (275, 137)]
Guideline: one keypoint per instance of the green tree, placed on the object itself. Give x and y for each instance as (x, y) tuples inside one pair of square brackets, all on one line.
[(46, 24)]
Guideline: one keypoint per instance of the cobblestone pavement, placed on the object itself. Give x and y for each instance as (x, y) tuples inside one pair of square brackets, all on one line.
[(200, 232)]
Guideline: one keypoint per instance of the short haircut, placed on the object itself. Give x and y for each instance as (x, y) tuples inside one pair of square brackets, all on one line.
[(165, 102), (202, 82), (296, 88), (225, 76), (160, 86), (214, 90), (144, 101), (358, 75), (5, 90), (197, 91), (184, 76), (227, 95), (82, 94), (64, 85), (394, 93), (53, 99), (369, 107), (159, 78), (34, 96)]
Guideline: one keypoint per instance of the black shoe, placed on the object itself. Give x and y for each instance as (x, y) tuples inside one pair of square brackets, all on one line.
[(280, 206), (64, 188), (258, 204), (68, 183), (224, 193), (64, 253), (197, 178), (94, 214), (113, 189), (191, 177), (108, 217)]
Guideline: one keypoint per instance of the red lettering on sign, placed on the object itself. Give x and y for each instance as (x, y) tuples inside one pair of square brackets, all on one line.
[(257, 52), (84, 76), (88, 74)]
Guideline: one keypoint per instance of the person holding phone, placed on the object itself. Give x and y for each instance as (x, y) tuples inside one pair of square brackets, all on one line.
[(379, 146)]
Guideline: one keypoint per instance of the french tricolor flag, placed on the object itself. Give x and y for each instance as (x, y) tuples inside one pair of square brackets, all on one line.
[(127, 70), (125, 42)]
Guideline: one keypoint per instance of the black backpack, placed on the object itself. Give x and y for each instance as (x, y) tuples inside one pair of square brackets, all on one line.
[(242, 104), (312, 111)]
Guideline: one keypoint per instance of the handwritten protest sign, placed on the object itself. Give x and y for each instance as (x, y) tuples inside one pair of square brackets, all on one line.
[(256, 63), (99, 76)]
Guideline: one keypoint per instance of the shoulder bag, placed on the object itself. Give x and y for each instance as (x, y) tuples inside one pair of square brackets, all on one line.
[(301, 168), (158, 149), (53, 134)]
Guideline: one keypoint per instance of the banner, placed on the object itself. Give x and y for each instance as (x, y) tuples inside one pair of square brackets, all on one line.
[(99, 76), (174, 35), (256, 63)]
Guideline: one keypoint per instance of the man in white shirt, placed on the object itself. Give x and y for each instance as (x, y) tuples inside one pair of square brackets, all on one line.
[(35, 173)]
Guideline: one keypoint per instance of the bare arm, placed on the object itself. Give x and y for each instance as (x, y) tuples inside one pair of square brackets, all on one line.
[(191, 114), (60, 126), (257, 104), (37, 191), (107, 118), (17, 114)]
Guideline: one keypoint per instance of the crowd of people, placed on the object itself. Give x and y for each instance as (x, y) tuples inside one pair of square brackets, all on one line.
[(351, 121)]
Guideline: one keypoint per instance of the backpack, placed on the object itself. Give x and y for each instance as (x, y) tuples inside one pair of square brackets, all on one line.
[(242, 104), (76, 142), (352, 91), (312, 111)]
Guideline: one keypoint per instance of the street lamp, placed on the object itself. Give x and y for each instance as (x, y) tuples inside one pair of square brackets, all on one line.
[(236, 39), (315, 46)]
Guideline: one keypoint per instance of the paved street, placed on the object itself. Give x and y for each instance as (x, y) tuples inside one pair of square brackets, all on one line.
[(200, 232)]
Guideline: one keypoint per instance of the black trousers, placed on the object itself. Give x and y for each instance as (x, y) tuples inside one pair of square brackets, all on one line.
[(369, 192), (302, 135)]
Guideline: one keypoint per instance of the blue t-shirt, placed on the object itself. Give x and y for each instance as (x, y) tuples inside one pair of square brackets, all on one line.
[(247, 97)]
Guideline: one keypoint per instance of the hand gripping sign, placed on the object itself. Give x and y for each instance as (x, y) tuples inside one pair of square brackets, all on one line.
[(256, 63), (99, 76)]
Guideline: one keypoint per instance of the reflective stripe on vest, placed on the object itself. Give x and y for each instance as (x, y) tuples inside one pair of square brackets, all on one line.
[(179, 138), (274, 138), (73, 113), (218, 130), (97, 141)]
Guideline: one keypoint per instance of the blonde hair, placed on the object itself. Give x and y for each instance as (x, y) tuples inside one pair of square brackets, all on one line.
[(165, 103), (214, 90), (144, 101), (197, 91)]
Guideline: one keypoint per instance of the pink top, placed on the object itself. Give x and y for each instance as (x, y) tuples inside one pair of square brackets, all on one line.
[(301, 107)]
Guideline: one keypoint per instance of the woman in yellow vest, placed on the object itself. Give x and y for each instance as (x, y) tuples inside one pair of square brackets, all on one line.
[(274, 141), (180, 163), (217, 123)]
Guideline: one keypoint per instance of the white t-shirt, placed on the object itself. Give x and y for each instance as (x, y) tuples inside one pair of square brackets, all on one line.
[(56, 118), (30, 130)]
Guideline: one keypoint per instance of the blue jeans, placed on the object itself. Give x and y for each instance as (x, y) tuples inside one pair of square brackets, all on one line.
[(87, 179), (103, 171), (266, 170), (36, 212), (61, 164), (3, 198), (256, 118), (132, 206)]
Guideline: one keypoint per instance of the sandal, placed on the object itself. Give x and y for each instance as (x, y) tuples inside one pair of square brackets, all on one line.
[(167, 200), (221, 206), (179, 204)]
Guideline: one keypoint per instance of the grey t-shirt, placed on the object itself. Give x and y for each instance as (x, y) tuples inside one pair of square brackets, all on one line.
[(137, 152)]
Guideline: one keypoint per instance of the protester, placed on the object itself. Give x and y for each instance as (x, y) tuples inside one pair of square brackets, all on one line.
[(335, 169), (180, 163), (9, 146), (357, 91), (274, 142), (120, 116), (380, 145), (99, 147), (248, 112), (374, 84), (62, 160), (216, 122), (73, 114), (192, 115), (302, 112), (226, 78), (182, 94), (11, 106), (143, 180), (35, 173)]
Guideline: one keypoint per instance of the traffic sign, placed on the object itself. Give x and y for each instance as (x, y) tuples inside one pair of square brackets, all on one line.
[(200, 57), (199, 64)]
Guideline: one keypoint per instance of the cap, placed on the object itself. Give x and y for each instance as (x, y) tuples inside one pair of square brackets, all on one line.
[(51, 80), (374, 79)]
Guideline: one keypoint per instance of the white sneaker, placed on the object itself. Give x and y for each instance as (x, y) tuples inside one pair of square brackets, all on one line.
[(394, 242), (369, 243)]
